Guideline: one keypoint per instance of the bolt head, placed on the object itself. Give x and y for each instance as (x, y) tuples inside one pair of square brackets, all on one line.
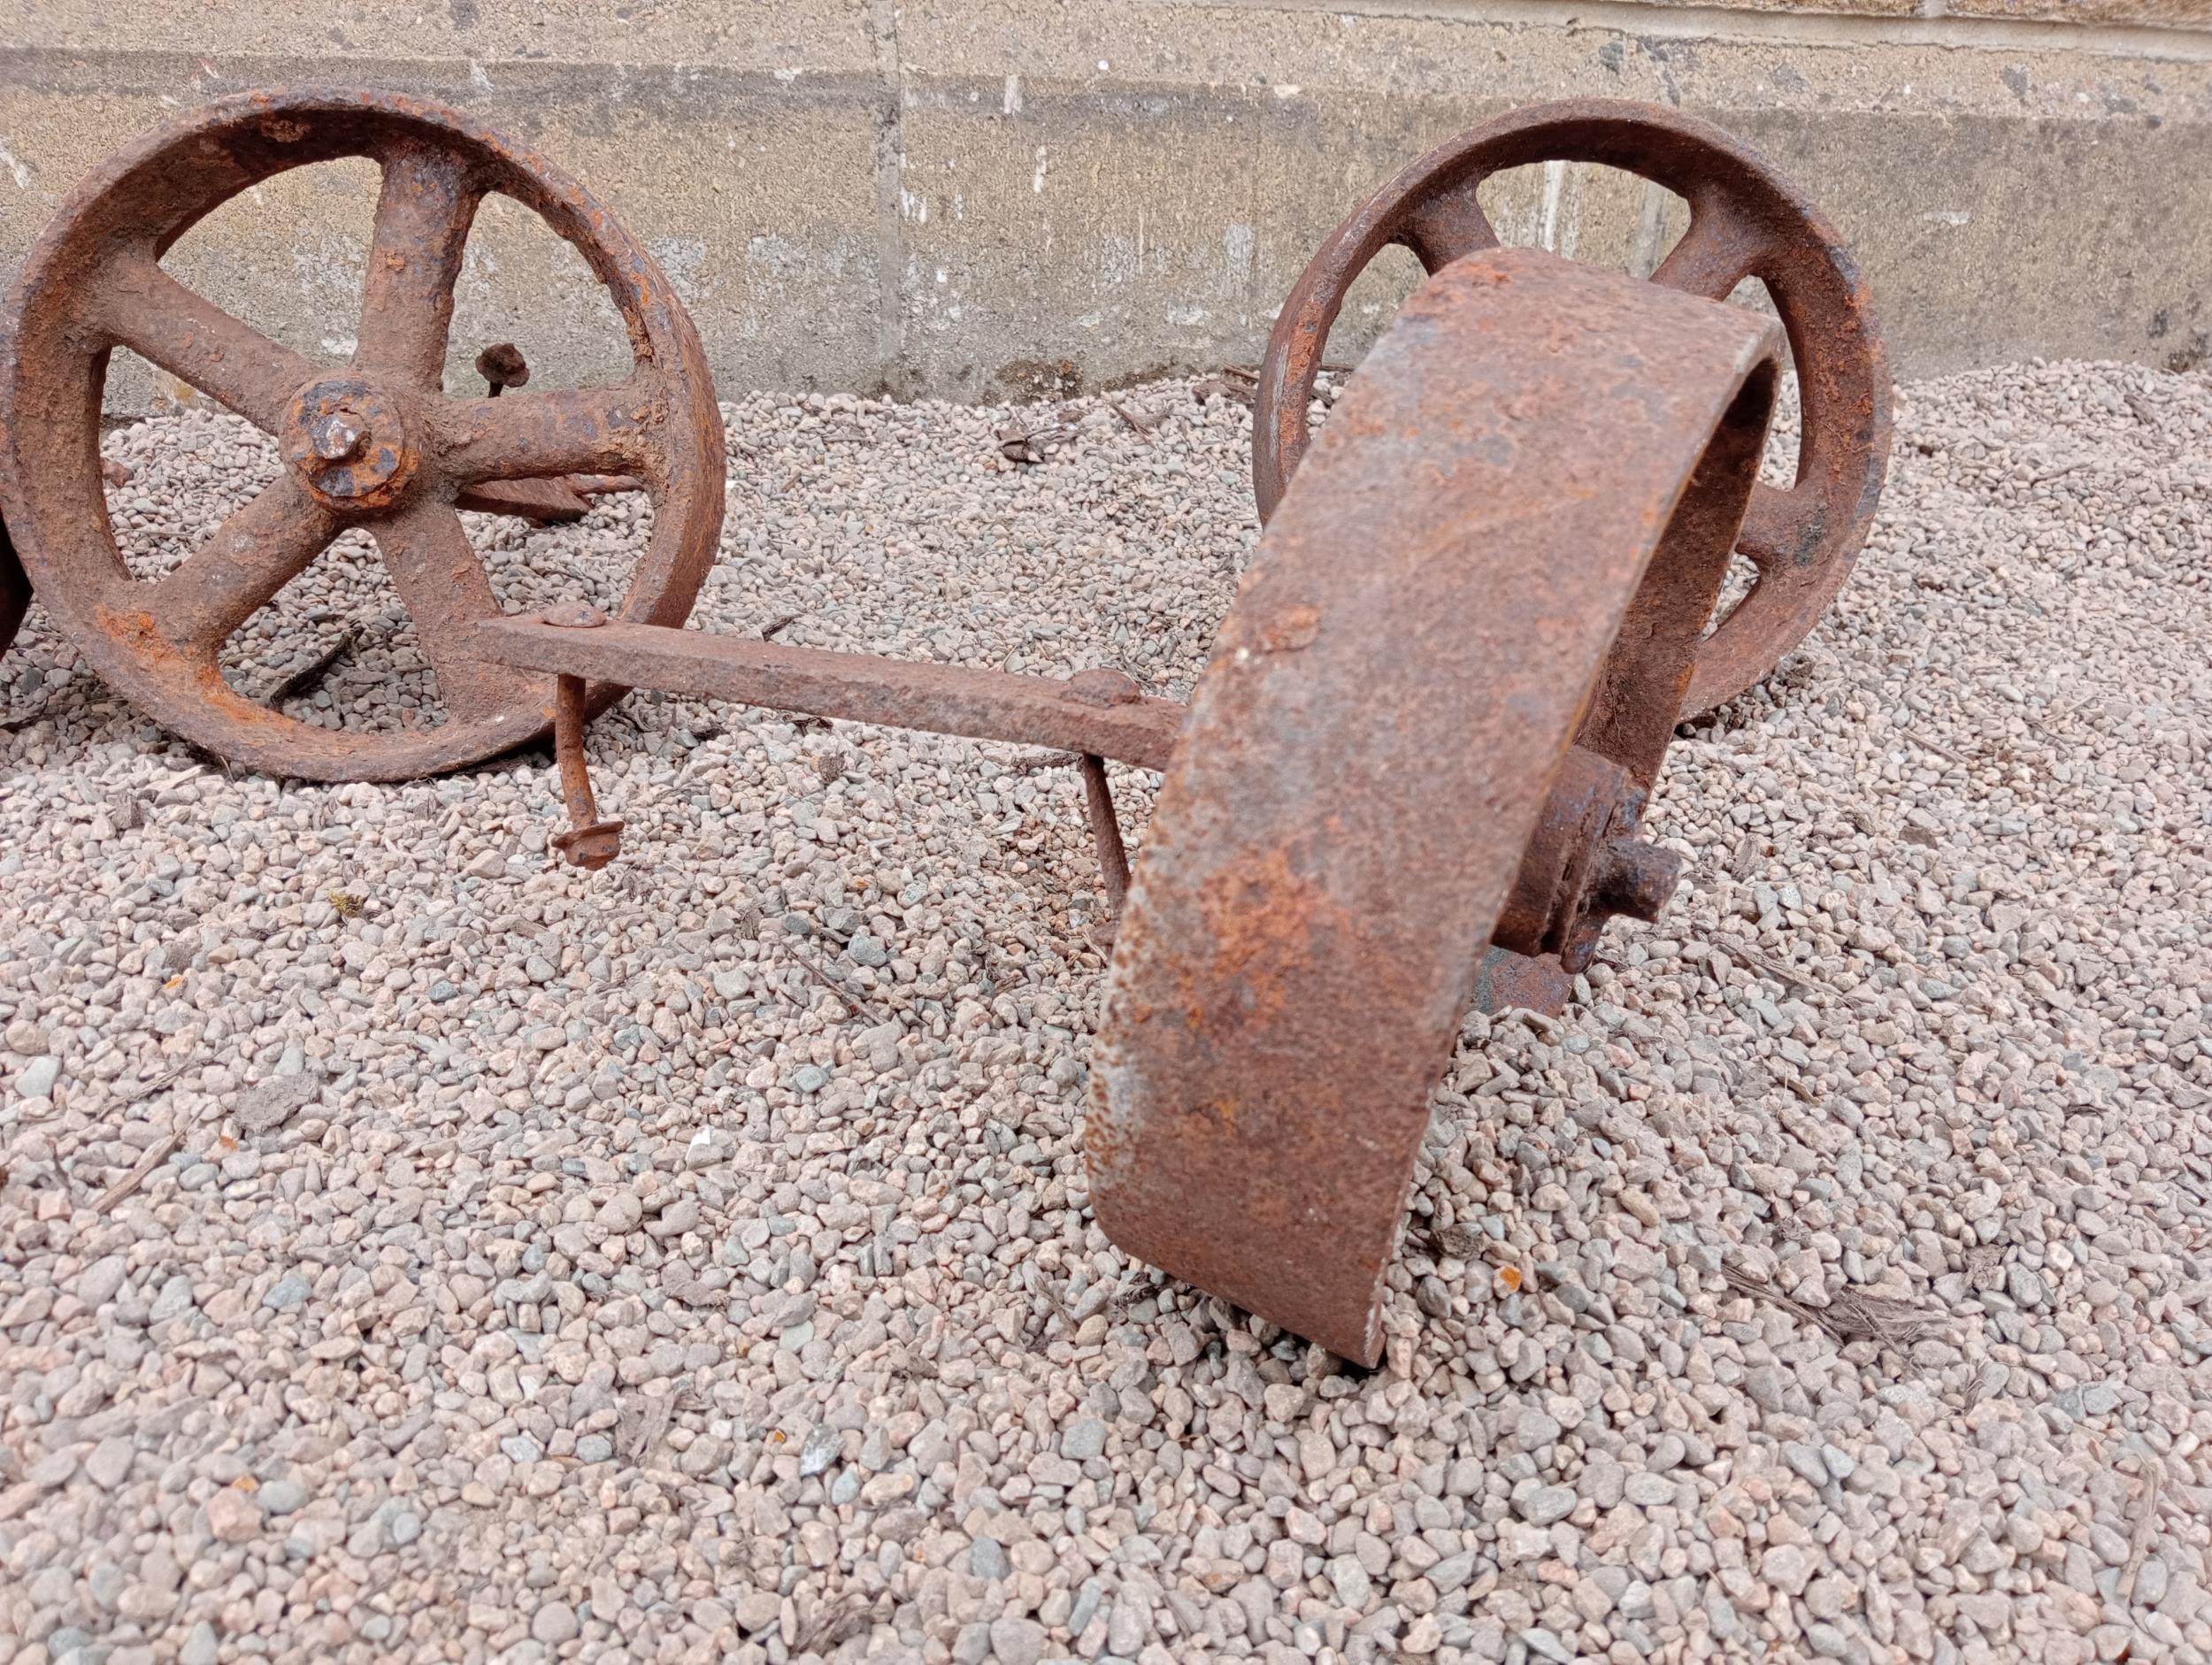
[(1101, 686), (503, 365), (337, 435)]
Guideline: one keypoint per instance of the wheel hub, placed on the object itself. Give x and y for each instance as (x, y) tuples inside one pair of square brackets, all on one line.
[(347, 441)]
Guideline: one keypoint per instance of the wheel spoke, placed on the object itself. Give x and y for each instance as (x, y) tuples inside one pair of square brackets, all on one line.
[(1773, 534), (443, 586), (1447, 227), (1714, 255), (242, 563), (607, 430), (142, 308), (423, 216)]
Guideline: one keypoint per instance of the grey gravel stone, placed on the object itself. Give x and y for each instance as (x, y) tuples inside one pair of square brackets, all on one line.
[(1543, 1505), (819, 1451), (555, 1622), (282, 1497), (987, 1559), (110, 1463), (1016, 1641)]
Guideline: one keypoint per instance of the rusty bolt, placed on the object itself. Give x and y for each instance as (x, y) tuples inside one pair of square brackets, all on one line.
[(1103, 686), (337, 435), (503, 367), (574, 616), (1634, 877), (590, 847)]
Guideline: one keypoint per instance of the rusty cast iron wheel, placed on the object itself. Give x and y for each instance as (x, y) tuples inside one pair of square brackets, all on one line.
[(1746, 221), (376, 444), (1429, 724)]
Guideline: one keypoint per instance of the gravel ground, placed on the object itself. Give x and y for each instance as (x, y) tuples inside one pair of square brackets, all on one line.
[(415, 1250)]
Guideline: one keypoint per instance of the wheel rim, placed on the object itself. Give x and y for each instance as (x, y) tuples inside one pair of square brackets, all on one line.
[(1498, 557), (376, 445), (1746, 221)]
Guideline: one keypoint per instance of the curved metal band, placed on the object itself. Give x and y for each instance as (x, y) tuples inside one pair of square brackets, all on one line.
[(1504, 541)]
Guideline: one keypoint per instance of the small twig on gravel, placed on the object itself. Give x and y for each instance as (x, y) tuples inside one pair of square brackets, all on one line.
[(304, 680), (1231, 382), (779, 625), (640, 1424), (2145, 1523), (1019, 442), (1143, 424), (842, 1616), (1850, 1315), (1926, 745), (1758, 959), (1037, 763), (159, 1152), (860, 1007), (156, 1154)]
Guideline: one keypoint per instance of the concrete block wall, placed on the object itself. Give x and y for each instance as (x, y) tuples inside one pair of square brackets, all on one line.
[(984, 199)]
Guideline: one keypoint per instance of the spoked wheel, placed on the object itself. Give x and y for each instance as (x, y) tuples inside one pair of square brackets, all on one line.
[(1430, 724), (1746, 221), (377, 444)]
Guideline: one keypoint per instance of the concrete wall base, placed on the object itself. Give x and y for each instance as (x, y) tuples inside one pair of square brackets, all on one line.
[(1009, 198)]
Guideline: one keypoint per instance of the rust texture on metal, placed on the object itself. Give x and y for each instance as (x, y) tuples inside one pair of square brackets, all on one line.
[(857, 686), (1746, 221), (1492, 557), (1584, 865), (377, 443), (15, 590), (1506, 980), (552, 501)]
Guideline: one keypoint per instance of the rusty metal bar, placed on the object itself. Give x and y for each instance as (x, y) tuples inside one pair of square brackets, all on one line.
[(589, 841), (1113, 858), (1096, 714)]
